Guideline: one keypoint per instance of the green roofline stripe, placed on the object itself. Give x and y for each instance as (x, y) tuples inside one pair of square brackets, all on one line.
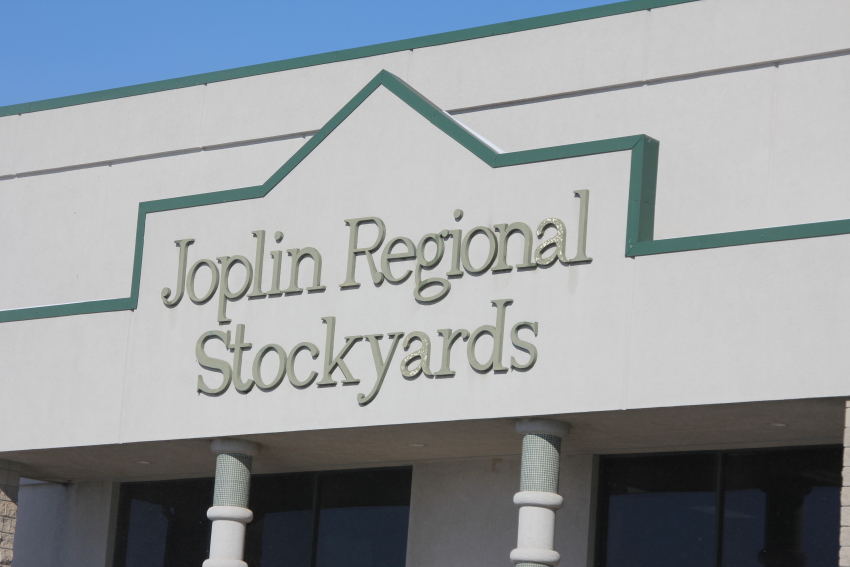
[(343, 55), (640, 219)]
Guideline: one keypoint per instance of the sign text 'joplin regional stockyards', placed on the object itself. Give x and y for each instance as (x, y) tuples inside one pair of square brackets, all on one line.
[(451, 245)]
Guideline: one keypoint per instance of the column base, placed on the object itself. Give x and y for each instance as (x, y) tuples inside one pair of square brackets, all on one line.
[(535, 556), (227, 540), (224, 563)]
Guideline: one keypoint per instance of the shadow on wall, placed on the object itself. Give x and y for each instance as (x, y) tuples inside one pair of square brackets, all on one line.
[(61, 524)]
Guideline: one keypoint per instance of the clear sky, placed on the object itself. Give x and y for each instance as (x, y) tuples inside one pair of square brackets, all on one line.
[(63, 47)]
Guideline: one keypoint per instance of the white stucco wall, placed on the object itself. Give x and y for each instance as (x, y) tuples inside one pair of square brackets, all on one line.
[(465, 505), (749, 118), (748, 100), (67, 525), (462, 512)]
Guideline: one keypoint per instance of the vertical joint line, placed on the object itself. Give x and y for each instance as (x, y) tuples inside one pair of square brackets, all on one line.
[(719, 508), (315, 531), (646, 45), (771, 149)]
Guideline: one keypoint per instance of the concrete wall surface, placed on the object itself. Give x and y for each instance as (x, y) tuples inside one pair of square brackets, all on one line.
[(745, 96), (633, 48), (467, 506), (66, 525)]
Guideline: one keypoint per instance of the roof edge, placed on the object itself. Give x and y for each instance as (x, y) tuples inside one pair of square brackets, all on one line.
[(443, 38)]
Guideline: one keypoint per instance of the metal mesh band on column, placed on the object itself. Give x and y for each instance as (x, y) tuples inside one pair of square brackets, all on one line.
[(532, 565), (232, 479), (541, 460)]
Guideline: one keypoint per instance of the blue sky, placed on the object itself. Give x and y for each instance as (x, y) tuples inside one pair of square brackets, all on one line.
[(56, 48)]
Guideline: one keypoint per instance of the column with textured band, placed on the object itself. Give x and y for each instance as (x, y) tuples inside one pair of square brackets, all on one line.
[(229, 512), (538, 497)]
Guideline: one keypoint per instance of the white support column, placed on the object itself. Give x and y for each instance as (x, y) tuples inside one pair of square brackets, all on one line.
[(844, 550), (10, 477), (538, 498), (229, 512)]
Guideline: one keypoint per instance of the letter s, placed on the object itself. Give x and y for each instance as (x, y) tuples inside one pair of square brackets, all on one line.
[(524, 345), (211, 363)]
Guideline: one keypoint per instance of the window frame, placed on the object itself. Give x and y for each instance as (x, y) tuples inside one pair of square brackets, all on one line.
[(600, 502), (121, 526)]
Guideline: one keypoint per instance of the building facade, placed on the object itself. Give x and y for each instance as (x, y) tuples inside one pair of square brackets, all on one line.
[(567, 290)]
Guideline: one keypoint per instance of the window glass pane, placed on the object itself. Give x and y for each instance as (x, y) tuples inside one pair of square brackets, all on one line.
[(821, 521), (743, 527), (658, 511), (148, 530), (363, 519), (163, 524), (781, 508), (281, 533)]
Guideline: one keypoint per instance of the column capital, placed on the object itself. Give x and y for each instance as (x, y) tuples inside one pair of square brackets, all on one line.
[(538, 497), (542, 426), (240, 446), (229, 512)]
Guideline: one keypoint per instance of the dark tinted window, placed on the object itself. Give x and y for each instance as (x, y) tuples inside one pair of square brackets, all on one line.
[(363, 519), (765, 508), (660, 511), (782, 508), (281, 534), (345, 519), (164, 523)]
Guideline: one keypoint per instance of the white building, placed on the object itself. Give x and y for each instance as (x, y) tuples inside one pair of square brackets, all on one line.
[(594, 262)]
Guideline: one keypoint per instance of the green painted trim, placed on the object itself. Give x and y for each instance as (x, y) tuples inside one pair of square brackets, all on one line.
[(640, 216), (640, 222), (343, 55), (640, 225), (742, 237), (403, 91), (82, 308)]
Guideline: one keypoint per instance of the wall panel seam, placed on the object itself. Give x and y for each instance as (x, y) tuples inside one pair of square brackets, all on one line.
[(453, 112)]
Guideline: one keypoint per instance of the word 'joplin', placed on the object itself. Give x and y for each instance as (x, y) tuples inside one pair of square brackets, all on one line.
[(450, 244)]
